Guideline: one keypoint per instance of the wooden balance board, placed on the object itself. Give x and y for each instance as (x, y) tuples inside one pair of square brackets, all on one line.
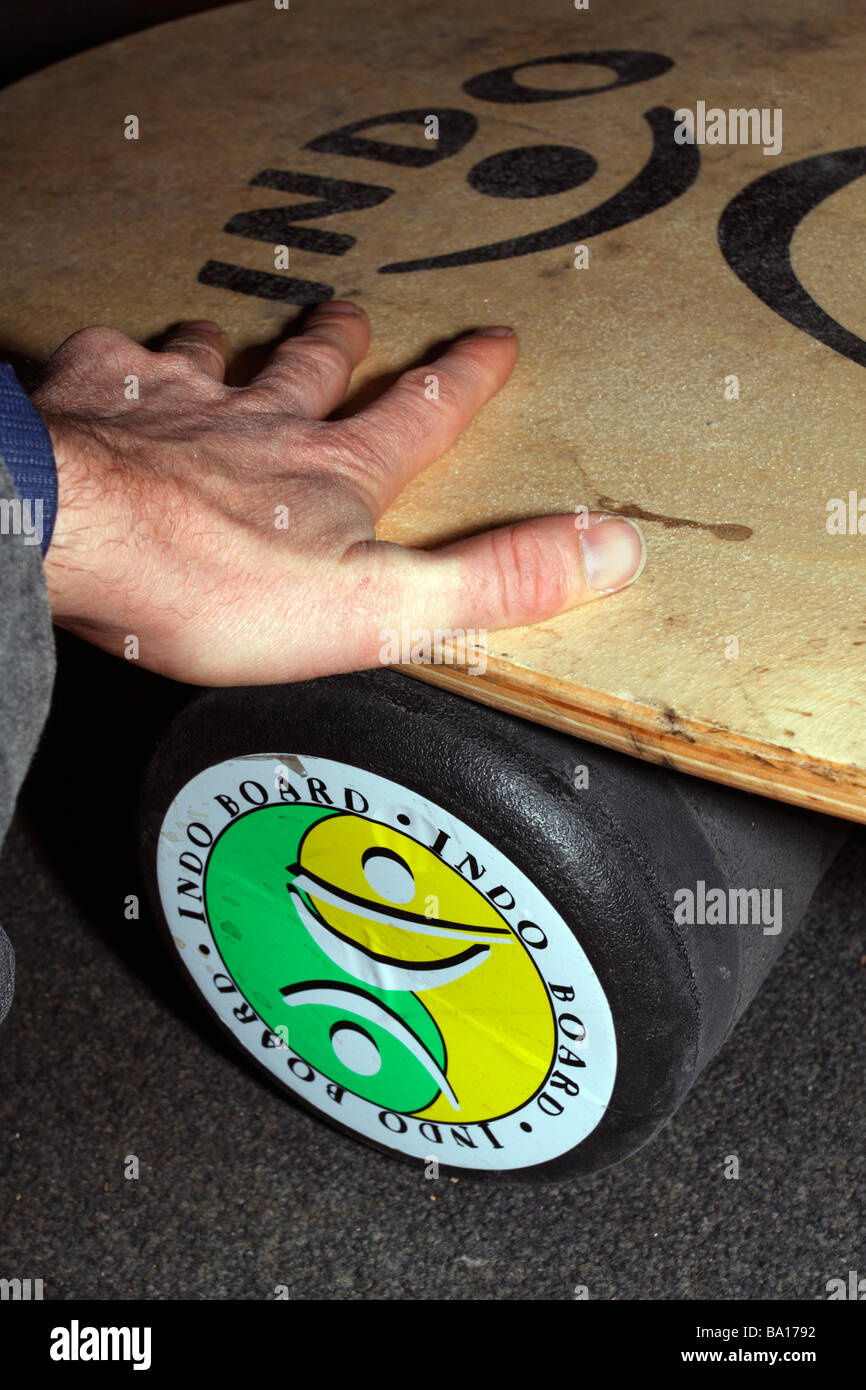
[(698, 366)]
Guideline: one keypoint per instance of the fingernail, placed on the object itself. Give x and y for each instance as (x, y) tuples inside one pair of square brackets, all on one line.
[(499, 331), (337, 306), (614, 554), (203, 325)]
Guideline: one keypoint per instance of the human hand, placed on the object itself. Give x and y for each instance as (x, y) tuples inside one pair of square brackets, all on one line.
[(167, 525)]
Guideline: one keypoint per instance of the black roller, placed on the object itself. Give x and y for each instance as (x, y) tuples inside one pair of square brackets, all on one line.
[(457, 935)]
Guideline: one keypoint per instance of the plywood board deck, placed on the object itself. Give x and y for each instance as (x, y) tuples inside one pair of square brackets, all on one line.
[(618, 400)]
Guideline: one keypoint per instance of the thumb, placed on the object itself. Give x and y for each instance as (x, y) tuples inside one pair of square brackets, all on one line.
[(512, 576)]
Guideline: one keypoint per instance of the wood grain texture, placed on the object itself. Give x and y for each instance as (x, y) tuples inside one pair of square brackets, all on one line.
[(618, 399)]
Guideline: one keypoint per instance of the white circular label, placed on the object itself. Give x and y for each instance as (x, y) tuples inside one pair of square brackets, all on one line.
[(386, 962)]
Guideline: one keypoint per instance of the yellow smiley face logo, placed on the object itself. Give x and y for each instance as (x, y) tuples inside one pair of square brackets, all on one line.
[(393, 916)]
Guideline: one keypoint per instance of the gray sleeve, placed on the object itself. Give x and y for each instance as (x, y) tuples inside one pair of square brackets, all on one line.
[(27, 660)]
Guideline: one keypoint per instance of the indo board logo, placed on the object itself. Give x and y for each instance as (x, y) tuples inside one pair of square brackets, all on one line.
[(386, 962), (755, 229)]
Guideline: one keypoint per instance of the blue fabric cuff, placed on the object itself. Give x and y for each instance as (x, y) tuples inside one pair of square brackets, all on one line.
[(26, 450)]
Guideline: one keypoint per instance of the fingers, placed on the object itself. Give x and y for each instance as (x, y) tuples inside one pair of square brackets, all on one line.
[(422, 414), (310, 372), (509, 577), (203, 342)]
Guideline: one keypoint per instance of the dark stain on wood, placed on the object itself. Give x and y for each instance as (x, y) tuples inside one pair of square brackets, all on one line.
[(671, 718), (722, 530)]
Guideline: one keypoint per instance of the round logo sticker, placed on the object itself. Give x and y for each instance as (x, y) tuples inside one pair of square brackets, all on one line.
[(385, 961)]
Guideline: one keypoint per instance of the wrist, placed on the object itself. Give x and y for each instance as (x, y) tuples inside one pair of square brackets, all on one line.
[(78, 501)]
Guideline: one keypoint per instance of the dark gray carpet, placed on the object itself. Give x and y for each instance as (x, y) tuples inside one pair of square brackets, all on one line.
[(104, 1055)]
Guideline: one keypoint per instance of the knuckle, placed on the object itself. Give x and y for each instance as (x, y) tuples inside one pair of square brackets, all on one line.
[(351, 455), (532, 578), (414, 380), (413, 387), (181, 370), (177, 358), (94, 342), (474, 356), (451, 393), (96, 337), (84, 370), (317, 359)]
